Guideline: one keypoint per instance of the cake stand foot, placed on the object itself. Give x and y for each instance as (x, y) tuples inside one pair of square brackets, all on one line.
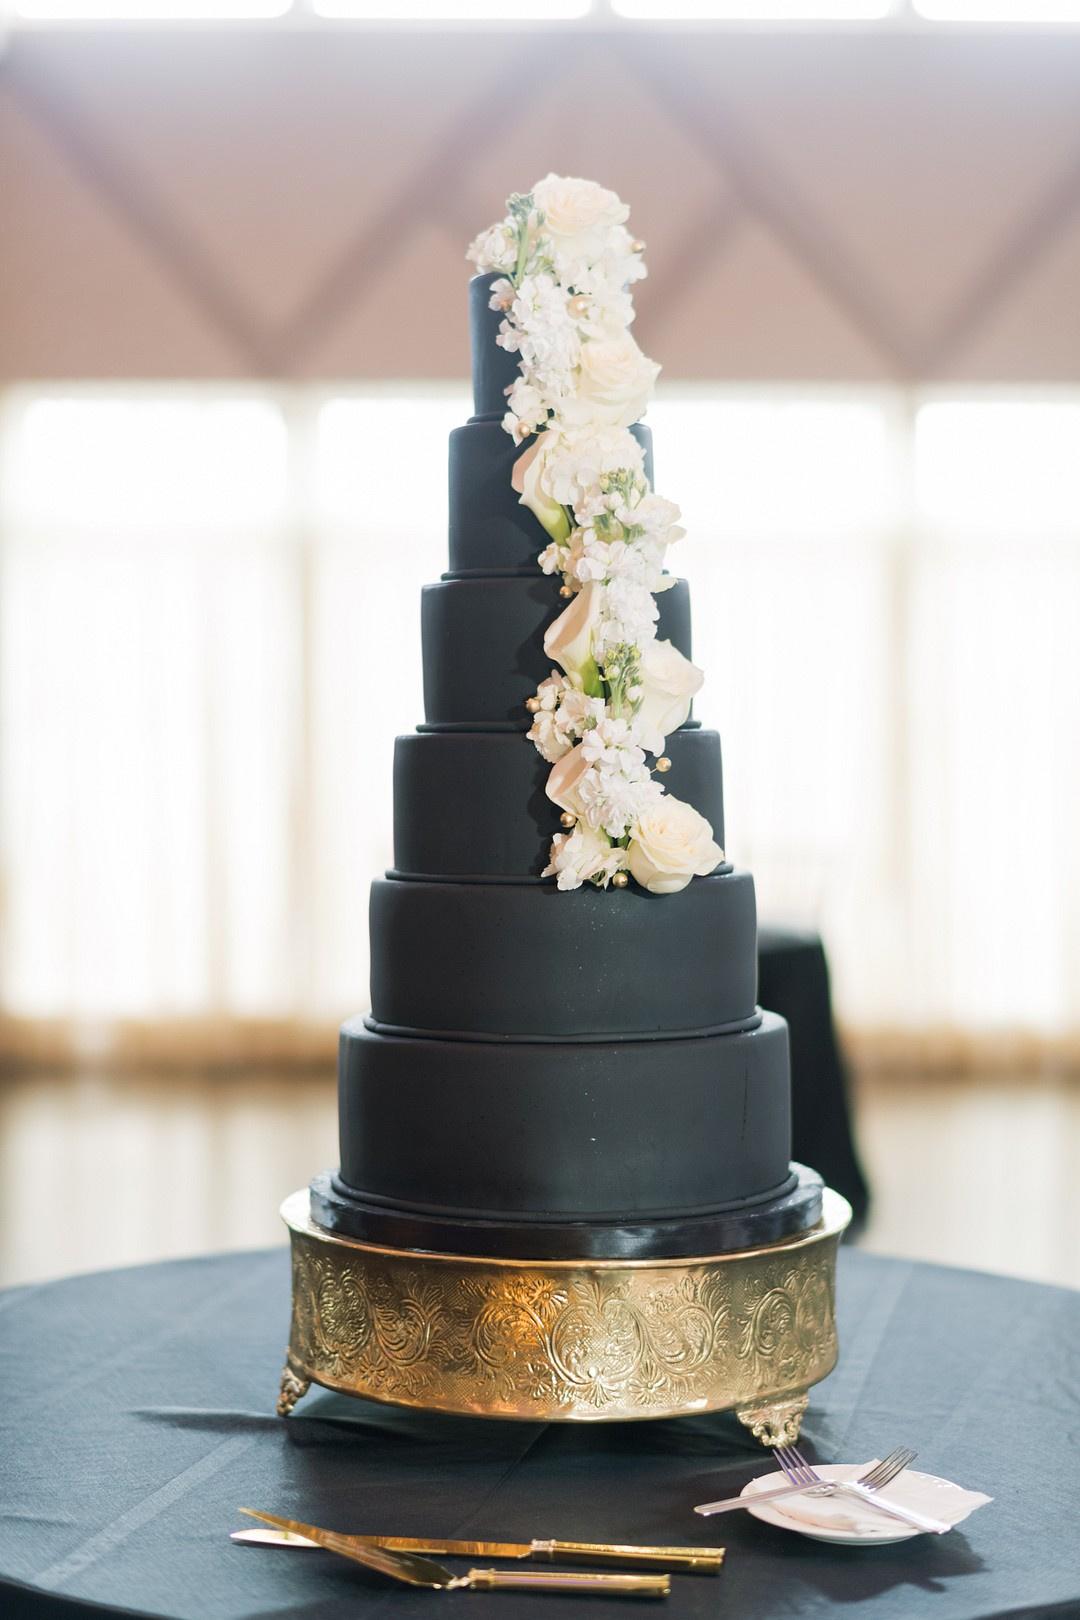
[(775, 1423), (293, 1389)]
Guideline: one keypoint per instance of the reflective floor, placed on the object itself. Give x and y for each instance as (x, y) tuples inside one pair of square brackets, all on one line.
[(102, 1171)]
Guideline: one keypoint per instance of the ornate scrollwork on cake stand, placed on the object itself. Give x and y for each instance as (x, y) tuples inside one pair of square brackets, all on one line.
[(566, 1340)]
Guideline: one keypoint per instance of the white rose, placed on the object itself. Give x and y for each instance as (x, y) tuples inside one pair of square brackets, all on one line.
[(581, 855), (569, 638), (529, 481), (670, 844), (614, 382), (564, 782), (577, 212), (668, 683)]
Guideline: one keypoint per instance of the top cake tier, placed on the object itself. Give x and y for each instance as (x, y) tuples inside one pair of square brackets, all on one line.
[(490, 531), (494, 369)]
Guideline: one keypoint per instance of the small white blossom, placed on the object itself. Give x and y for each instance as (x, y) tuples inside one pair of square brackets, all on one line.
[(564, 715), (495, 249), (553, 559), (584, 855)]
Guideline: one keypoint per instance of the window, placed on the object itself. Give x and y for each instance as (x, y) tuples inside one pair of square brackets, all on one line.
[(454, 10), (149, 10), (755, 10), (209, 637), (1011, 11)]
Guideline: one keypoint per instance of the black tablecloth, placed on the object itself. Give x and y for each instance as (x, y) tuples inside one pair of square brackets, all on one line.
[(793, 980), (137, 1417)]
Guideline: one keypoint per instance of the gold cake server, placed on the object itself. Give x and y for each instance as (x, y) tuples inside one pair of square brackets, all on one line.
[(686, 1560), (414, 1570)]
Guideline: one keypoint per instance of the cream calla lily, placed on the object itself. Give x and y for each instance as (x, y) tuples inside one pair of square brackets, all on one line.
[(528, 479), (569, 639), (564, 781)]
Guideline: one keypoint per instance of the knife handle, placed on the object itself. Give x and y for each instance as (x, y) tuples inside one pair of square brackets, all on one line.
[(703, 1560), (566, 1580)]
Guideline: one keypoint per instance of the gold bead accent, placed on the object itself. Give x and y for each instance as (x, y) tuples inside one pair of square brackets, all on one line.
[(578, 306), (568, 819), (533, 705), (619, 880), (637, 246), (566, 590), (663, 764)]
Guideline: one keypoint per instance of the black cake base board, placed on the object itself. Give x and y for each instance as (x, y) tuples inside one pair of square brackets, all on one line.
[(781, 1213)]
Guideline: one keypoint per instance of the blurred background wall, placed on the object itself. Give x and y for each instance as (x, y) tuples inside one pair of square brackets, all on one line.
[(232, 342)]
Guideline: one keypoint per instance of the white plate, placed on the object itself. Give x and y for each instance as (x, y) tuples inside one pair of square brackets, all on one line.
[(925, 1493)]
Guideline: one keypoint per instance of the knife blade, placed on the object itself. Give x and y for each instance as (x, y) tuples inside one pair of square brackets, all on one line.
[(699, 1560)]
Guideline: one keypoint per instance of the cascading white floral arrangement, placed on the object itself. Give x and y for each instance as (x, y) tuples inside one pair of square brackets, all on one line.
[(565, 262)]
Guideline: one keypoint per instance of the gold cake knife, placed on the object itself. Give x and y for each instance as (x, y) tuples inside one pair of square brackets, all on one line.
[(414, 1570), (687, 1560)]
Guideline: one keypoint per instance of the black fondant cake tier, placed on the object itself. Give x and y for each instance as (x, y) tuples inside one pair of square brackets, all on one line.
[(522, 959), (567, 1129), (444, 828), (547, 1075), (489, 528), (483, 643), (494, 369)]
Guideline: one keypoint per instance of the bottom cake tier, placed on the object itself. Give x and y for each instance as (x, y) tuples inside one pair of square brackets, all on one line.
[(571, 1147)]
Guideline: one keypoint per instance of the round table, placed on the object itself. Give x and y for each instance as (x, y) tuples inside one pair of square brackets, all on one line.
[(138, 1415)]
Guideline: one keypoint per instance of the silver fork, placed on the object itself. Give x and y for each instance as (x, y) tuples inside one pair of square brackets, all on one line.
[(805, 1475), (874, 1479)]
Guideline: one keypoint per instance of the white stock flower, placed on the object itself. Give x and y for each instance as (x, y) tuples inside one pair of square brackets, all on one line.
[(564, 714), (494, 249), (671, 843), (584, 855), (605, 780), (547, 736), (659, 519), (580, 457), (606, 796), (614, 798), (668, 684), (612, 742), (627, 616), (554, 558), (502, 294)]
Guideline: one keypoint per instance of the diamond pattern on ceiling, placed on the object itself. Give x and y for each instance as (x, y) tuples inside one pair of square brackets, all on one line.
[(297, 203)]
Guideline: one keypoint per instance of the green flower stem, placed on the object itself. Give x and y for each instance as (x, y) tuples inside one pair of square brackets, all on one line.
[(592, 683)]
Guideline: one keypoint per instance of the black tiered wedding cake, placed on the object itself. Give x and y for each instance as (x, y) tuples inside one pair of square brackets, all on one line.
[(564, 1060)]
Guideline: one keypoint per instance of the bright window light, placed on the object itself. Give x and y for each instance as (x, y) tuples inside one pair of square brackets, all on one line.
[(756, 10), (150, 10), (1014, 11), (773, 467), (453, 10), (368, 450), (1007, 467), (129, 464)]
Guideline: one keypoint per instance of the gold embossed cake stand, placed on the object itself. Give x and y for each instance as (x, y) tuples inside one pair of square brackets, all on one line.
[(560, 1340)]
